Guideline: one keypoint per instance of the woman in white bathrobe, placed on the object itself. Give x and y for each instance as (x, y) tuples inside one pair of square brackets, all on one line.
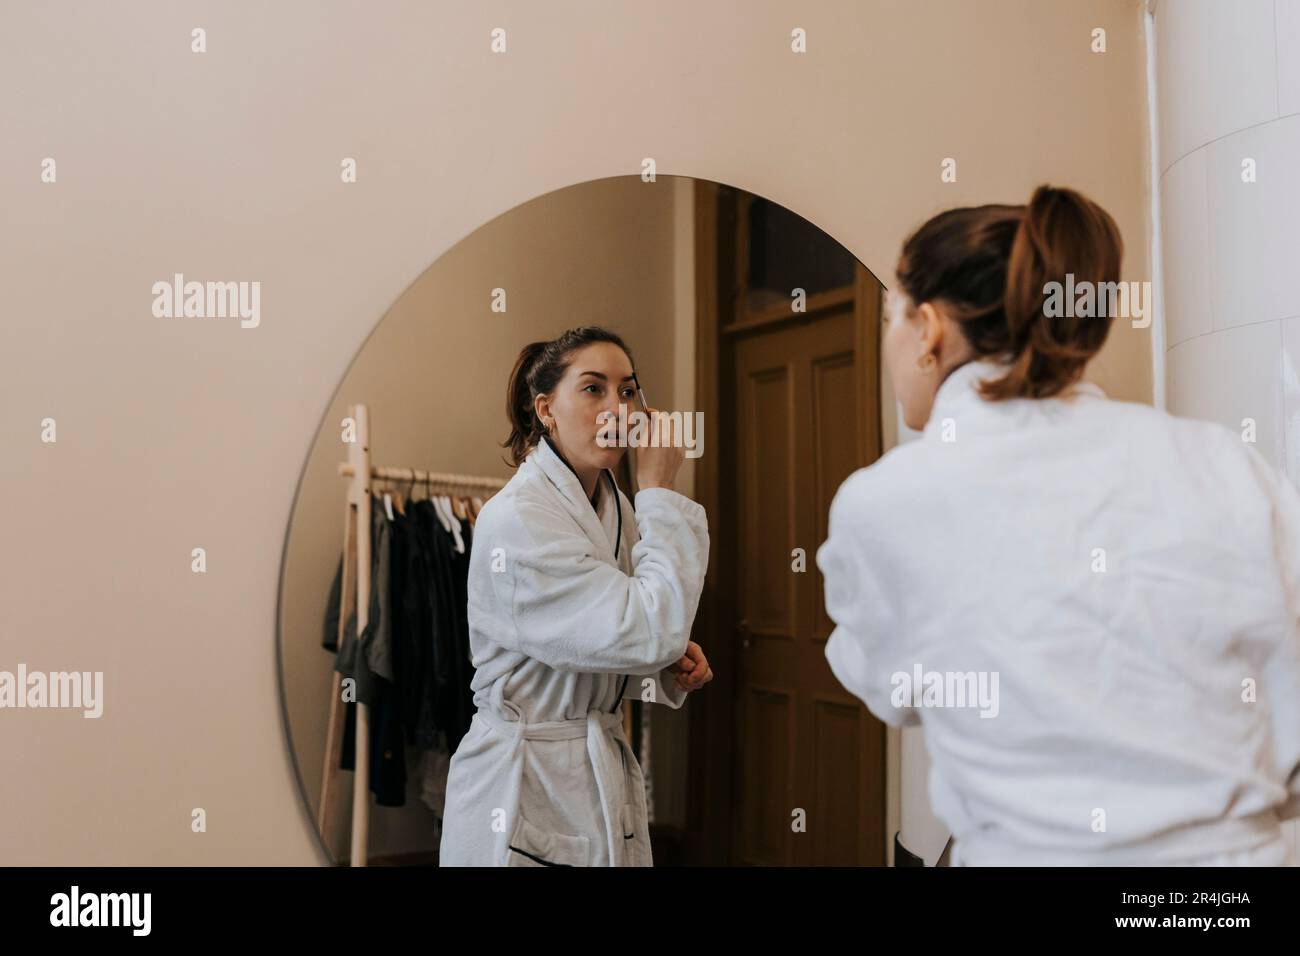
[(1089, 606), (575, 599)]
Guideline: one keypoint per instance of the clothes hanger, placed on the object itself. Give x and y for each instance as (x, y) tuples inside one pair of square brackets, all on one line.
[(428, 493), (454, 523), (436, 502), (399, 499), (472, 506)]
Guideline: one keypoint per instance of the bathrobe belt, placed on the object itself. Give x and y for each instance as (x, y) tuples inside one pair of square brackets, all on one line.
[(605, 749)]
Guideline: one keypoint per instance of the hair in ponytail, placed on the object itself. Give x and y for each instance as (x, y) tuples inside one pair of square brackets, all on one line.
[(538, 370), (990, 266)]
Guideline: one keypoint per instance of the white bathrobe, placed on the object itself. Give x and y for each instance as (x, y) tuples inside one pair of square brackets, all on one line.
[(559, 629), (1133, 581)]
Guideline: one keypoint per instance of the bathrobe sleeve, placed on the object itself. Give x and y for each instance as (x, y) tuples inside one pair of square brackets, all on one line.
[(666, 690), (864, 648), (1281, 677), (574, 611)]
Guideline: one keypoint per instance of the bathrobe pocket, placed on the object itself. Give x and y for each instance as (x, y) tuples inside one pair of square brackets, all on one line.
[(532, 846)]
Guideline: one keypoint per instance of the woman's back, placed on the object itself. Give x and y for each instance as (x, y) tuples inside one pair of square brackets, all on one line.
[(1093, 593)]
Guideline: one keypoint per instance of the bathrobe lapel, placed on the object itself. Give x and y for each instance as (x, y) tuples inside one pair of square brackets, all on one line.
[(599, 527)]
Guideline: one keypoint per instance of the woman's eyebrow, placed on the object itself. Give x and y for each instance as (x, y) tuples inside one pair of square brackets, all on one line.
[(605, 378)]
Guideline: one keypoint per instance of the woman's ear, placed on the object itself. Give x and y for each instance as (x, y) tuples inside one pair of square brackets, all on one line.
[(932, 328)]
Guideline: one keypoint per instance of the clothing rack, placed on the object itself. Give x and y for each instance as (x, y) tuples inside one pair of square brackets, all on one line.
[(356, 587)]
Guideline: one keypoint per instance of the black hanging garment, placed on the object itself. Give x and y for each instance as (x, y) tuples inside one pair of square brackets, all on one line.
[(446, 682), (412, 635), (432, 603), (435, 601)]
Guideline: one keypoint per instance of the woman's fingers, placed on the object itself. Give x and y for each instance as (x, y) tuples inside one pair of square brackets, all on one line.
[(700, 676), (686, 682), (692, 671), (693, 657)]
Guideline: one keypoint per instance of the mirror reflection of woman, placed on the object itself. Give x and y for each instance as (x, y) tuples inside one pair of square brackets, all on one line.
[(575, 600), (1131, 579)]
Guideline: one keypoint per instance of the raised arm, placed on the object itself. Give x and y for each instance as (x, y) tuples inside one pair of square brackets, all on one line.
[(573, 611)]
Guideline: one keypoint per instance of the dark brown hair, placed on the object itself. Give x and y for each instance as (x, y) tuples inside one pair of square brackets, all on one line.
[(989, 265), (537, 371)]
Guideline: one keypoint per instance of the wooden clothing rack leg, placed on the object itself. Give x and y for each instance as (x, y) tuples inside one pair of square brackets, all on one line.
[(357, 534), (338, 714)]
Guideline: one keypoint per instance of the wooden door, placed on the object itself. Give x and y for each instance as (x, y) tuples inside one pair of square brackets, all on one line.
[(810, 781), (793, 769)]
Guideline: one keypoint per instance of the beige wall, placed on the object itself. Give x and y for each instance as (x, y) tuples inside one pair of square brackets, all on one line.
[(183, 433)]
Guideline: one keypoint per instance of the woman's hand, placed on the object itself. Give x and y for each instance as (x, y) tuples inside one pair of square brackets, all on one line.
[(693, 671), (656, 465)]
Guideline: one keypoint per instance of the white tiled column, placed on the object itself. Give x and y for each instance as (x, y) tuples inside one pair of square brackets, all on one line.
[(1228, 92)]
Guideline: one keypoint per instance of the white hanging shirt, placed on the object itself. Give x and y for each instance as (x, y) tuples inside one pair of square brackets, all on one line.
[(1115, 591)]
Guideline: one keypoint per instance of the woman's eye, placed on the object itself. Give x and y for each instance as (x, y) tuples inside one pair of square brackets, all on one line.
[(592, 385)]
